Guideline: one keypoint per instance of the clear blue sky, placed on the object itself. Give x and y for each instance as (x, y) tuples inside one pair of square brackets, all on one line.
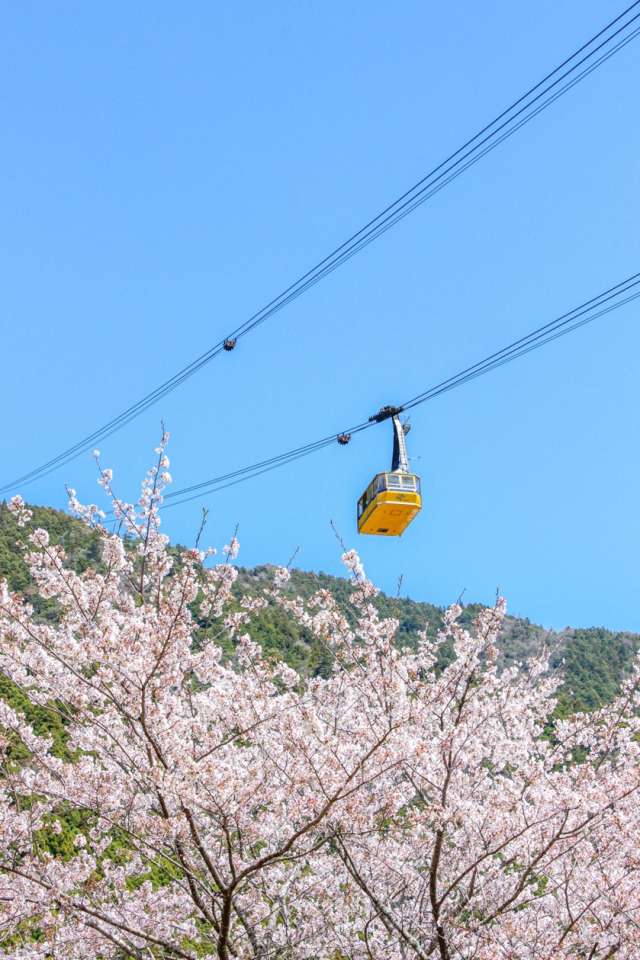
[(167, 168)]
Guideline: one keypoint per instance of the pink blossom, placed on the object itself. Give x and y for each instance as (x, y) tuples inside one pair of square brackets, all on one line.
[(386, 810), (20, 512), (232, 549), (281, 576)]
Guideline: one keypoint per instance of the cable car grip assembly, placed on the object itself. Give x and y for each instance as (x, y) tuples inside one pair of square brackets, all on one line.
[(384, 413)]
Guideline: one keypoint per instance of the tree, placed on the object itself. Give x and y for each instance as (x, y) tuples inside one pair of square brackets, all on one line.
[(232, 808)]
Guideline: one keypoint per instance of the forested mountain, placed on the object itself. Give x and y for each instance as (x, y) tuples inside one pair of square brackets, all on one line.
[(592, 660)]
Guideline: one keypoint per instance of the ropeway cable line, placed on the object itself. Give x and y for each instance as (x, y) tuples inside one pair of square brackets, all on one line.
[(597, 50), (599, 306)]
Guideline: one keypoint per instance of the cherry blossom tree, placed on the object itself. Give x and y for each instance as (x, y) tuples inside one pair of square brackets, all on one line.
[(229, 807)]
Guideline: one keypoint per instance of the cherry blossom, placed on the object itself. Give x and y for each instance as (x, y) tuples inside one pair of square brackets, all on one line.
[(236, 809)]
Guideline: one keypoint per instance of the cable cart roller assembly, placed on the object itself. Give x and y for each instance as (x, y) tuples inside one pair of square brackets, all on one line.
[(392, 500)]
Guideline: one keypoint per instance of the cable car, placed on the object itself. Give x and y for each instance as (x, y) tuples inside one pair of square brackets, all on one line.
[(392, 500)]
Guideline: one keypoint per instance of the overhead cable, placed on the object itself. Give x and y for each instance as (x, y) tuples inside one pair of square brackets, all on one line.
[(597, 50), (604, 303)]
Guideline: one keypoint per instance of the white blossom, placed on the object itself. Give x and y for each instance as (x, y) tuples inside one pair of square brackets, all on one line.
[(391, 808)]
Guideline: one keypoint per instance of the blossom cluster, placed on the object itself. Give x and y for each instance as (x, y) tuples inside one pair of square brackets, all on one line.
[(386, 810)]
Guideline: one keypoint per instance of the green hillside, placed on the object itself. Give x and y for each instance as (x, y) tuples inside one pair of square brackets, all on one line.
[(593, 661)]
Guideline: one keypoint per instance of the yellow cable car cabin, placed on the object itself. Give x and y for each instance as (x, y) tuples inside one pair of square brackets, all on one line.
[(393, 499)]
